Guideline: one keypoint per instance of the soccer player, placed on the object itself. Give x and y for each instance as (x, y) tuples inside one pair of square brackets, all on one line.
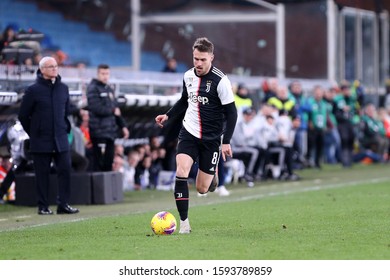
[(210, 117)]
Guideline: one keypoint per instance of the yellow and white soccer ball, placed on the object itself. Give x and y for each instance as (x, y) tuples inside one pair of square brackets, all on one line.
[(163, 223)]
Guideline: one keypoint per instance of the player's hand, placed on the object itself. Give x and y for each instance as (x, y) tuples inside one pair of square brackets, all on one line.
[(226, 151), (160, 119)]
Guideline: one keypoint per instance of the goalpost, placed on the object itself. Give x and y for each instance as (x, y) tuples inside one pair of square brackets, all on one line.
[(275, 14)]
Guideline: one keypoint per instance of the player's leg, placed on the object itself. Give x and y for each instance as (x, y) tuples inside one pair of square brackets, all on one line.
[(184, 163), (209, 154), (203, 181)]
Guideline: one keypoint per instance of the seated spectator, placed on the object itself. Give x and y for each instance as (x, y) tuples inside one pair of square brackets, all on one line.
[(170, 66), (77, 153), (119, 150), (21, 161), (282, 101), (243, 99), (372, 136), (269, 88), (61, 57), (156, 165), (5, 167), (287, 129), (7, 37), (119, 166), (142, 174), (274, 152), (385, 118), (246, 144), (154, 142), (133, 158), (84, 128)]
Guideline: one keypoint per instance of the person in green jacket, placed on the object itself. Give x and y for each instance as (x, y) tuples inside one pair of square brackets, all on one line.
[(317, 125), (372, 136), (346, 113)]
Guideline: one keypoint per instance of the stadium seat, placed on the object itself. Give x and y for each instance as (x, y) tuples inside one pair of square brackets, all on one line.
[(74, 38)]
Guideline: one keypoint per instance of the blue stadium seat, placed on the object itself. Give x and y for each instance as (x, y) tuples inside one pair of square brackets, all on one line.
[(75, 39)]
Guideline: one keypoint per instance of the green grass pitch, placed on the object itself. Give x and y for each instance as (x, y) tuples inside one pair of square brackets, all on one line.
[(332, 214)]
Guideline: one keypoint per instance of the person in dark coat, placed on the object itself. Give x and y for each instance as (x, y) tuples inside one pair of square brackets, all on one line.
[(104, 119), (43, 115)]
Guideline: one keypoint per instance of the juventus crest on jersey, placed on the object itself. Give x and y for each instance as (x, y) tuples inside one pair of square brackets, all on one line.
[(206, 95)]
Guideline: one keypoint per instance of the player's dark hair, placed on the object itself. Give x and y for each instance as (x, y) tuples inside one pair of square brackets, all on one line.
[(203, 45), (103, 66)]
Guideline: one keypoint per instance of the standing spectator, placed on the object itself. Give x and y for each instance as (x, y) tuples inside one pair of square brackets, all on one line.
[(332, 142), (357, 92), (104, 119), (345, 114), (385, 100), (44, 116), (317, 126), (210, 117), (302, 110)]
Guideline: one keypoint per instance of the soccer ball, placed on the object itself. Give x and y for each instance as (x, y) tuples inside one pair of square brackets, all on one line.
[(163, 223)]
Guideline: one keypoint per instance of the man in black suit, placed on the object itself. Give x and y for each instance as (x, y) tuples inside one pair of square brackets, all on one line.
[(43, 115)]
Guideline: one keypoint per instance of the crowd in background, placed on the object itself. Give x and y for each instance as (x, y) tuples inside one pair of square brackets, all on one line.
[(24, 47), (280, 129), (336, 125)]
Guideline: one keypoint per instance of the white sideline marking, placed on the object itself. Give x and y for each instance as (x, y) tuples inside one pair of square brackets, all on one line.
[(305, 189), (243, 198), (23, 217)]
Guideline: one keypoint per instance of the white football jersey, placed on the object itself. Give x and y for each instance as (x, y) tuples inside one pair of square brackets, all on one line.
[(206, 94)]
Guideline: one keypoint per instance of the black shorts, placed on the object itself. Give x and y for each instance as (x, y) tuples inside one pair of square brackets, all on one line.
[(205, 152)]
